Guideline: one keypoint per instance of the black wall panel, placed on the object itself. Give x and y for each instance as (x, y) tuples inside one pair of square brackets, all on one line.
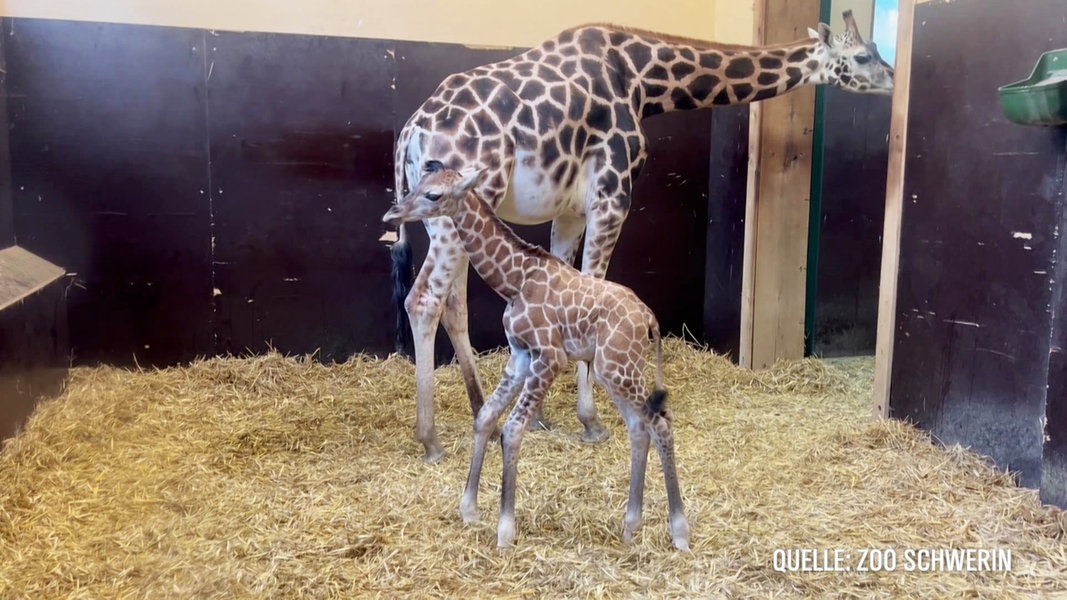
[(856, 157), (301, 137), (109, 174), (982, 212)]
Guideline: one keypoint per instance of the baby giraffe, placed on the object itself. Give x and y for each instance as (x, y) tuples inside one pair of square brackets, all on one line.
[(554, 314)]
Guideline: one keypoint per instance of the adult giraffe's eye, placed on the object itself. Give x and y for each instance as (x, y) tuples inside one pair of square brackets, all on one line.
[(862, 59), (433, 197)]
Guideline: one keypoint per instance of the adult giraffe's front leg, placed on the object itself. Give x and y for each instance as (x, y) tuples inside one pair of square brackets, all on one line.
[(566, 238), (434, 289)]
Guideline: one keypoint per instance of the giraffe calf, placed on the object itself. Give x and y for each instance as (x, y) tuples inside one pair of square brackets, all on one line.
[(554, 314)]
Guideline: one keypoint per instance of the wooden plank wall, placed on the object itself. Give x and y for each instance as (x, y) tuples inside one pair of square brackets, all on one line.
[(776, 237)]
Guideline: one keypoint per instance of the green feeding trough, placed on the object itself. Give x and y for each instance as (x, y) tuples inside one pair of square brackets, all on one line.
[(1040, 99)]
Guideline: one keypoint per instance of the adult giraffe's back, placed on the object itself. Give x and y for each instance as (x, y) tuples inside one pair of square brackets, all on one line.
[(558, 130)]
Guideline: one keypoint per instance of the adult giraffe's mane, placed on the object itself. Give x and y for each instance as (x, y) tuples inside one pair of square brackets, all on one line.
[(688, 41)]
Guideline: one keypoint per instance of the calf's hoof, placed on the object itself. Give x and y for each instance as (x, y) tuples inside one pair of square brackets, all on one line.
[(434, 453)]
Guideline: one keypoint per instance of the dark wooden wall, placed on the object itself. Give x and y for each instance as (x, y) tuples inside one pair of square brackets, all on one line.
[(983, 209), (221, 192), (7, 218), (855, 159)]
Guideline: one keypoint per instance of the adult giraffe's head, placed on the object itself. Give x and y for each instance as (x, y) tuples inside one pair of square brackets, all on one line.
[(439, 193), (851, 63)]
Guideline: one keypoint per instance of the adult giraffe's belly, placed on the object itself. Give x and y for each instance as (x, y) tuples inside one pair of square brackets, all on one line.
[(533, 197)]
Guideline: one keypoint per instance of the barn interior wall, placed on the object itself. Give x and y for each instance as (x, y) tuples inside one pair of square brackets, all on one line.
[(982, 217), (7, 218), (220, 191)]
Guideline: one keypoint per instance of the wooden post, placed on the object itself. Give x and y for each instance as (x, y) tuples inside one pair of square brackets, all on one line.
[(894, 205), (776, 216)]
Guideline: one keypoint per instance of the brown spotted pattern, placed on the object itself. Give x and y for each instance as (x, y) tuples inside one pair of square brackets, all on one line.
[(557, 130), (554, 314)]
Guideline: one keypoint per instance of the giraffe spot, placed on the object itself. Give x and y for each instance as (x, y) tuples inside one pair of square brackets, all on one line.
[(609, 184), (665, 54), (798, 55), (794, 76), (779, 53), (559, 173), (681, 69), (548, 75), (549, 116), (599, 117), (764, 94), (710, 60), (770, 62), (591, 41), (507, 78), (767, 78), (702, 87), (682, 100), (534, 54), (504, 106), (483, 87), (617, 153), (566, 51), (623, 118), (485, 124), (653, 90), (592, 67), (639, 54), (601, 89), (633, 145), (572, 174), (568, 68), (722, 98), (566, 37), (552, 60), (846, 78), (580, 137), (657, 72), (549, 152), (432, 105), (526, 117), (812, 65), (566, 136), (576, 110), (531, 90), (742, 91), (740, 68), (651, 109), (470, 129), (618, 38)]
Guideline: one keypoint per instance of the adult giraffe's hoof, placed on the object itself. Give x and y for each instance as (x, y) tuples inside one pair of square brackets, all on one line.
[(595, 435), (434, 454)]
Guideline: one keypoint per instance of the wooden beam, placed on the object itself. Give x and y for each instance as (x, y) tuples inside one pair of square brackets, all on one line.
[(748, 259), (776, 224), (894, 205)]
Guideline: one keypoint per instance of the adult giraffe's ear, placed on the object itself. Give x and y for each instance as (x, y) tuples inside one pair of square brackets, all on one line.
[(824, 34), (468, 179)]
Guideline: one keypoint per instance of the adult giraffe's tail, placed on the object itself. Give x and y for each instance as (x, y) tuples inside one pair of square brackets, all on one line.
[(402, 271), (656, 405)]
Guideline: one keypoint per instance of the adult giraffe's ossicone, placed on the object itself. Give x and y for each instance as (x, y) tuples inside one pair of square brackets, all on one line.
[(558, 131)]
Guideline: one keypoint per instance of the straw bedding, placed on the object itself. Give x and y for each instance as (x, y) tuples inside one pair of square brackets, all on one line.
[(281, 477)]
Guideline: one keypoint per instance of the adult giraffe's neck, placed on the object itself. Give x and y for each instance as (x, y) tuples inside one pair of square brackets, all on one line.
[(686, 75), (500, 257)]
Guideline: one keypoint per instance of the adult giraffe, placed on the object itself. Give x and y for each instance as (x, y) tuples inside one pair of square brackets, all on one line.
[(558, 131)]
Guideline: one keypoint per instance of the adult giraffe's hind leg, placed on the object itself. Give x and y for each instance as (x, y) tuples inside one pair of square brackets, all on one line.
[(424, 305), (566, 238), (454, 318)]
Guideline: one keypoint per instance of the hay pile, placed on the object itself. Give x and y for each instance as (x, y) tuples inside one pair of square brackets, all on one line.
[(279, 477)]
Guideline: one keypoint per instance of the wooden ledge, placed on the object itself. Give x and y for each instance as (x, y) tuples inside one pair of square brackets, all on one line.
[(22, 273)]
